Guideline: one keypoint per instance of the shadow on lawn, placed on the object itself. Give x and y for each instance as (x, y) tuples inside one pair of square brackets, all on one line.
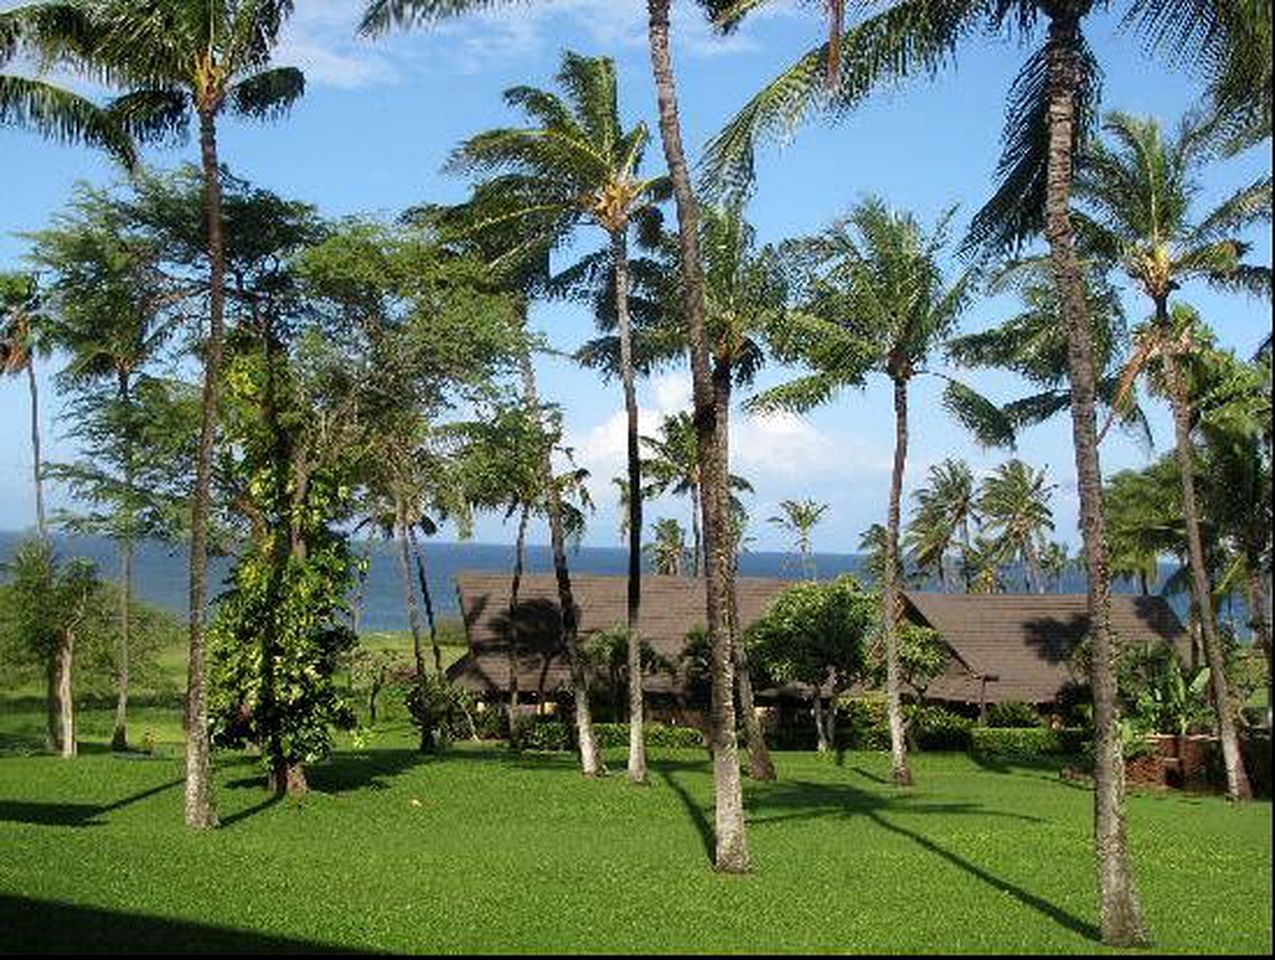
[(71, 814), (44, 926), (805, 800)]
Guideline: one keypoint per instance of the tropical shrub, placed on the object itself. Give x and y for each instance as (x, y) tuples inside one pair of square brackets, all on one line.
[(657, 735), (936, 728), (1013, 713), (1027, 743)]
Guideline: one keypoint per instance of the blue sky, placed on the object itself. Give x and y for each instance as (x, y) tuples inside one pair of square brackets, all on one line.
[(380, 117)]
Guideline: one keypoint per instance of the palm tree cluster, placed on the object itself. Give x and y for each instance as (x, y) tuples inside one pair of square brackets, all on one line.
[(966, 535), (335, 393)]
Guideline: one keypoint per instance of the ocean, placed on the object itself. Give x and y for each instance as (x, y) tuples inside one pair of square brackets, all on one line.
[(161, 576)]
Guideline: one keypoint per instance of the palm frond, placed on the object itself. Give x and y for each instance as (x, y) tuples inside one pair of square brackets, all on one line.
[(269, 93), (61, 115)]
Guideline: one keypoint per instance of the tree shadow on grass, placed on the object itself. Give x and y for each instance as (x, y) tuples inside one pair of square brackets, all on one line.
[(71, 814), (43, 926), (694, 811), (804, 800)]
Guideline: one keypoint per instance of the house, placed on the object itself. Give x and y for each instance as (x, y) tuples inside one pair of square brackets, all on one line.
[(671, 606), (1003, 646), (1019, 646)]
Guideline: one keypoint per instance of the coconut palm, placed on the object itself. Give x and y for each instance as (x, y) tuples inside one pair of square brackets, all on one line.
[(22, 338), (1138, 194), (673, 467), (577, 165), (799, 517), (944, 512), (1014, 506), (876, 301), (731, 854), (1166, 347), (1033, 344), (1051, 105), (1235, 424), (668, 551), (174, 58)]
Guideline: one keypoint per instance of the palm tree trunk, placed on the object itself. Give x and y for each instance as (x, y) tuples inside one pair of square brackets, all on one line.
[(1257, 615), (1237, 786), (1121, 920), (637, 739), (119, 739), (700, 565), (760, 766), (515, 586), (413, 620), (590, 756), (40, 525), (891, 605), (732, 844), (427, 599), (201, 812), (66, 705)]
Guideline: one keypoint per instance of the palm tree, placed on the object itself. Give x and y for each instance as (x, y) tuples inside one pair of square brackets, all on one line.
[(1033, 344), (22, 338), (1051, 106), (877, 302), (1166, 349), (1235, 423), (1014, 505), (673, 467), (798, 519), (944, 511), (731, 855), (174, 58), (577, 165), (1140, 192), (1055, 560), (668, 551)]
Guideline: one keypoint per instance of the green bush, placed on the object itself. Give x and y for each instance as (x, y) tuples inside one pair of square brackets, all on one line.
[(862, 724), (657, 735), (550, 734), (1013, 713), (936, 728), (1027, 743)]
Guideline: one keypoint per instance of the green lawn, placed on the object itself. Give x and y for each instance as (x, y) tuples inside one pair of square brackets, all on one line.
[(483, 851)]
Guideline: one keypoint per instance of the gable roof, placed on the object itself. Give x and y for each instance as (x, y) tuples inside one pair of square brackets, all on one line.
[(671, 606), (1026, 640)]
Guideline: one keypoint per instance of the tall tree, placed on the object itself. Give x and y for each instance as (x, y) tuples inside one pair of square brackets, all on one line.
[(1138, 194), (731, 854), (110, 311), (1014, 505), (174, 58), (22, 338), (798, 519), (876, 301), (578, 165), (944, 513)]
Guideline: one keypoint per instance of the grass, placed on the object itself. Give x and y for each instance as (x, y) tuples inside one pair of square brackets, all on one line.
[(483, 851)]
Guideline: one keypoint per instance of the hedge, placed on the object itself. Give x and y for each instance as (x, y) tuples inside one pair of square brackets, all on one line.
[(1027, 743), (554, 734)]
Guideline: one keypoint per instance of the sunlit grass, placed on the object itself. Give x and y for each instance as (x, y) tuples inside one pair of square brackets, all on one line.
[(480, 850)]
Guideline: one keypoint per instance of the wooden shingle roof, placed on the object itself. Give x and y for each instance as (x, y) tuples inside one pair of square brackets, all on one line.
[(1027, 640), (671, 606)]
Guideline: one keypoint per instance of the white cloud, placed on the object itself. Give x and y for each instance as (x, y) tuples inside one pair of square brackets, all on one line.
[(321, 39)]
